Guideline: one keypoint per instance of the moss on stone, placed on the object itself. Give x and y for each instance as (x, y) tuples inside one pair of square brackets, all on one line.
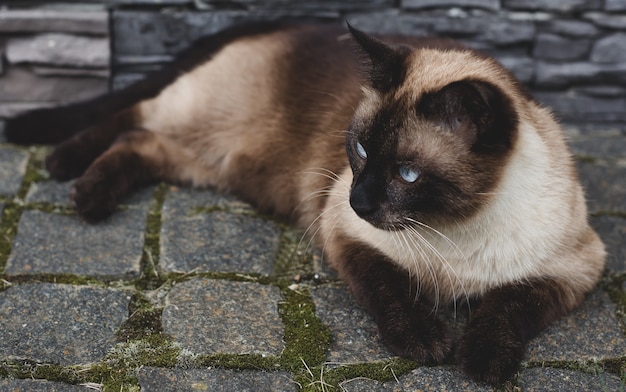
[(306, 339), (150, 278), (294, 256), (8, 228), (323, 377), (118, 370), (143, 321), (33, 370)]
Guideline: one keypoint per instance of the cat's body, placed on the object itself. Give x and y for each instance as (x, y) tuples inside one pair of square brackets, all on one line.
[(456, 184)]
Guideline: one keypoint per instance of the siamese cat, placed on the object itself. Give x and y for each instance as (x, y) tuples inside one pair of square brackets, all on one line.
[(423, 169)]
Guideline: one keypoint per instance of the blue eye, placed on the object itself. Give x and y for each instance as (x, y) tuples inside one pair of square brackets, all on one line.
[(408, 174), (361, 150)]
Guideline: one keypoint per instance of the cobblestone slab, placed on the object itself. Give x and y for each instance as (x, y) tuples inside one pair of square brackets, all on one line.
[(60, 324), (38, 386), (12, 169), (435, 379), (51, 192), (591, 332), (612, 230), (218, 242), (215, 316), (185, 201), (58, 244), (357, 343), (605, 186), (166, 380), (58, 193), (562, 380)]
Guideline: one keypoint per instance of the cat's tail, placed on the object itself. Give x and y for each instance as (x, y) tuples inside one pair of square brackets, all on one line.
[(53, 125)]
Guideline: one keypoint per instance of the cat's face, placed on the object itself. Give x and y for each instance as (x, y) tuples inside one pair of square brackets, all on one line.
[(428, 156)]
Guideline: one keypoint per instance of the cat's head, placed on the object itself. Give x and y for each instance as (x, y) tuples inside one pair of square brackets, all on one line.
[(431, 136)]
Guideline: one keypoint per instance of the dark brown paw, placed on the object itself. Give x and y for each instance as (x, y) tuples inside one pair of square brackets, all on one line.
[(417, 335), (93, 198), (490, 351), (66, 163)]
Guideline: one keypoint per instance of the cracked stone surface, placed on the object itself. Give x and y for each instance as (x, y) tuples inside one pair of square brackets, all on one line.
[(210, 316), (219, 242), (591, 332), (57, 244), (166, 380), (12, 169), (359, 343), (58, 323)]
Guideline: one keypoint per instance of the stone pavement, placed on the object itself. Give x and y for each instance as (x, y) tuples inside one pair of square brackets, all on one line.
[(190, 290)]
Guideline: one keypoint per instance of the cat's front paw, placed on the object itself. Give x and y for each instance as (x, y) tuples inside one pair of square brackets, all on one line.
[(490, 350), (66, 163), (93, 198), (418, 336)]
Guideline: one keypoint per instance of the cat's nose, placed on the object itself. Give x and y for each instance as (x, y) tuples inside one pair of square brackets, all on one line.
[(361, 202)]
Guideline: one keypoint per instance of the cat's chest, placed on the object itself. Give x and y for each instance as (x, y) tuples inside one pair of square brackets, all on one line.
[(449, 263)]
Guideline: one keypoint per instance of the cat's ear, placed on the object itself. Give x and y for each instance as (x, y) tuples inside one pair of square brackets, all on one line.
[(477, 111), (384, 64)]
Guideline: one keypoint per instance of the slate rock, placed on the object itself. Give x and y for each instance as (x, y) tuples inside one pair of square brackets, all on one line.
[(563, 380), (41, 20), (610, 49), (602, 91), (607, 146), (174, 380), (615, 5), (217, 316), (391, 22), (563, 6), (612, 230), (555, 47), (12, 169), (609, 21), (60, 324), (59, 49), (590, 332), (58, 244), (21, 86), (563, 74), (360, 343), (522, 67), (575, 107), (70, 72), (17, 385), (572, 28), (150, 33), (507, 32), (605, 186), (420, 4)]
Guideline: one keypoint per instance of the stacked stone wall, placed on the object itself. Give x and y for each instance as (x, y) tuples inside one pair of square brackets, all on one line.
[(571, 53)]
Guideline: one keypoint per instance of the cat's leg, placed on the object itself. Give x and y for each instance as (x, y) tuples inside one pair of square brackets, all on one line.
[(136, 157), (408, 327), (72, 157), (494, 343)]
